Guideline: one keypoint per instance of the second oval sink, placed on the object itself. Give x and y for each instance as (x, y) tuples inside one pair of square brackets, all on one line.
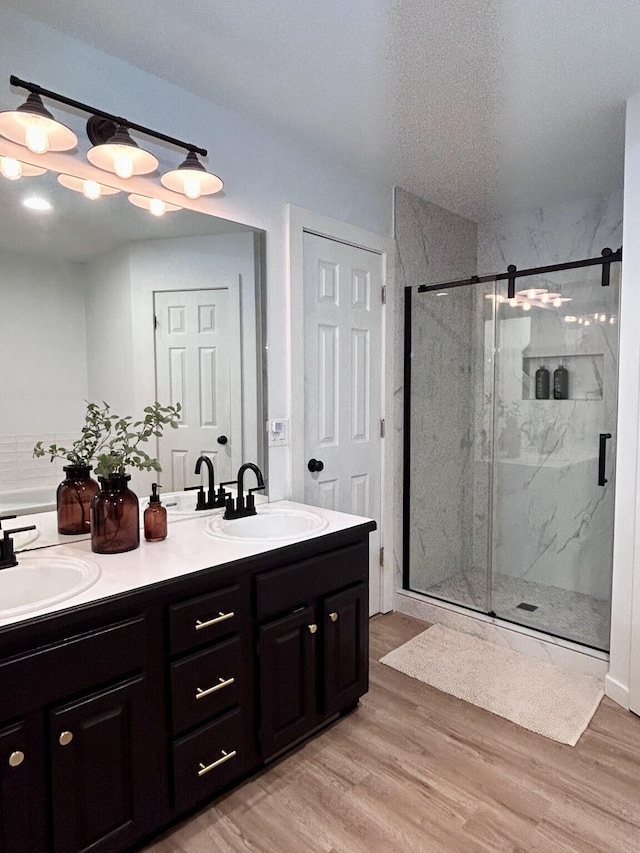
[(38, 581), (268, 525)]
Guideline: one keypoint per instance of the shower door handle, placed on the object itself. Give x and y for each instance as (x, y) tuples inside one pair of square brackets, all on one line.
[(602, 458)]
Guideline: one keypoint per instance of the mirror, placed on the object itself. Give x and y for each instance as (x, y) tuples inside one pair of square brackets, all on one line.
[(101, 301)]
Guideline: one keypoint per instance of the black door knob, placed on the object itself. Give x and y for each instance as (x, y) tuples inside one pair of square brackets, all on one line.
[(315, 465), (222, 439)]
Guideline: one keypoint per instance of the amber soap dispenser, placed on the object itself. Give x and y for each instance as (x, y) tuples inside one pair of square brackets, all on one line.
[(155, 517)]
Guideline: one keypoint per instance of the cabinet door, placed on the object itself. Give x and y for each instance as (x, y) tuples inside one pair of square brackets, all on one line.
[(288, 667), (346, 649), (22, 811), (98, 758)]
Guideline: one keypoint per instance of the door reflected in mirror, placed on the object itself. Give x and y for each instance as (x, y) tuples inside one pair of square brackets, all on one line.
[(103, 302)]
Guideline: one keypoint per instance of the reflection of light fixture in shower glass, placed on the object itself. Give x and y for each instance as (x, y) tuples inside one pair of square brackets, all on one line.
[(526, 306), (570, 319)]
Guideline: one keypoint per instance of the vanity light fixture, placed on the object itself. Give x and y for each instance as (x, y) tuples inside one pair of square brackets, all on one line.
[(33, 126), (89, 189), (122, 156), (113, 149), (13, 169), (191, 178), (155, 206)]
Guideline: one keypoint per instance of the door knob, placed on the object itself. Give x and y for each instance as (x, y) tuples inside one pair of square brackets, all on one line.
[(16, 758), (315, 465), (222, 439)]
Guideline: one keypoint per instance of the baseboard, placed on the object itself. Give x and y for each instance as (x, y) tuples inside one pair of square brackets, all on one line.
[(617, 692)]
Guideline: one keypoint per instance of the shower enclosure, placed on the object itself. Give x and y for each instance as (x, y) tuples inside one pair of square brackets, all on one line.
[(510, 425)]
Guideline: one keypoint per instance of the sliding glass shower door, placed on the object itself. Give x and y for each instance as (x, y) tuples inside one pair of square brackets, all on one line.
[(510, 423), (555, 393)]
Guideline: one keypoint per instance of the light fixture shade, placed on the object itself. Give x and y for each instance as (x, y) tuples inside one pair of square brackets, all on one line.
[(154, 205), (17, 124), (191, 178), (79, 185), (14, 169), (122, 156)]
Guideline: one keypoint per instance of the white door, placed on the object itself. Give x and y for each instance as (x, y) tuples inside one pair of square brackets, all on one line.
[(198, 364), (343, 378)]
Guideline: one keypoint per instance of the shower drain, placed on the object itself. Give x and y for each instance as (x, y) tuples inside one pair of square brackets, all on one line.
[(524, 606)]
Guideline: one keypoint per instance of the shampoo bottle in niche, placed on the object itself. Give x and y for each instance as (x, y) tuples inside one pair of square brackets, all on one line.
[(155, 518), (542, 383), (561, 383)]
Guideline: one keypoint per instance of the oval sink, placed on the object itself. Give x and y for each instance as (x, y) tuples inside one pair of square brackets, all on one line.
[(38, 581), (269, 525)]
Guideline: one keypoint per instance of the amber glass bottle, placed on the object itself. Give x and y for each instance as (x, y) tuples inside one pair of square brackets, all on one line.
[(73, 500), (155, 518), (115, 517)]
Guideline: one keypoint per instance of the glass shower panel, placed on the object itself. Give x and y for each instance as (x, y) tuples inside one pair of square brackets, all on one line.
[(554, 433), (449, 452)]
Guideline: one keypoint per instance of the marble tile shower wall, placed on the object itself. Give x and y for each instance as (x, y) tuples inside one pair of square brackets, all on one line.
[(432, 244), (18, 468)]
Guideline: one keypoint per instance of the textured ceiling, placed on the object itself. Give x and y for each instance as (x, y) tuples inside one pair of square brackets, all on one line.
[(478, 105)]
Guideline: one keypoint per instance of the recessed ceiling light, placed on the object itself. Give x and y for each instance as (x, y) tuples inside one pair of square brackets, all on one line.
[(36, 203)]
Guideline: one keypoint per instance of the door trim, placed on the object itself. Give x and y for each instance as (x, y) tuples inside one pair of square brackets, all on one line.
[(299, 221)]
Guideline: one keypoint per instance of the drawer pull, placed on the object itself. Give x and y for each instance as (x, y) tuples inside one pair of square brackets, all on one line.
[(313, 628), (65, 738), (200, 693), (225, 757), (221, 617), (333, 616), (16, 758)]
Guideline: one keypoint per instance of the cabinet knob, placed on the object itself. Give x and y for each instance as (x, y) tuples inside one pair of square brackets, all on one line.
[(65, 738), (16, 758), (313, 628), (333, 616)]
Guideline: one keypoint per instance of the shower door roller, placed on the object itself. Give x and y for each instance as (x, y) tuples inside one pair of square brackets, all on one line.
[(315, 465)]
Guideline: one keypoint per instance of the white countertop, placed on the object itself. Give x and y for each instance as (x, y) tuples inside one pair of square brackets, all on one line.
[(187, 548)]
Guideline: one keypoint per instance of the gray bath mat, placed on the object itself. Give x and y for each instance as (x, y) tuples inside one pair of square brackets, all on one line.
[(533, 694)]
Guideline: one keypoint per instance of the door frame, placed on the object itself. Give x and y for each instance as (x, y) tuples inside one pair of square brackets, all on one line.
[(299, 221)]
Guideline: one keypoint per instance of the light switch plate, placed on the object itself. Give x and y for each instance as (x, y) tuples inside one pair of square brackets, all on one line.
[(278, 432)]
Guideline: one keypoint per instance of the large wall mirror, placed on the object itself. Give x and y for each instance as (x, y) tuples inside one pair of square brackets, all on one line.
[(101, 301)]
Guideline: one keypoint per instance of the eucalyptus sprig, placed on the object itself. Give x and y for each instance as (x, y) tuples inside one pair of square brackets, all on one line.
[(94, 435), (123, 449), (114, 441)]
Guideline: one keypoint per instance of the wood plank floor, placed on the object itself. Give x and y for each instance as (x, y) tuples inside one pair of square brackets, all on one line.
[(413, 770)]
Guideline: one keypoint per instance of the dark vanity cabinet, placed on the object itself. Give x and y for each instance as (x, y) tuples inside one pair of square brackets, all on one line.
[(314, 653), (119, 717)]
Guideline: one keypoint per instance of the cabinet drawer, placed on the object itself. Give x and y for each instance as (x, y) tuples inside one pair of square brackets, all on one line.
[(61, 669), (204, 619), (209, 759), (205, 684), (300, 583)]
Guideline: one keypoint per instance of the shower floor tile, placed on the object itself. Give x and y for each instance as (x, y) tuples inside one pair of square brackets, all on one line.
[(571, 615)]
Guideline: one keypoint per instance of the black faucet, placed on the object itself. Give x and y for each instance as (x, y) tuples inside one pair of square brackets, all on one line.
[(214, 499), (242, 508), (7, 555)]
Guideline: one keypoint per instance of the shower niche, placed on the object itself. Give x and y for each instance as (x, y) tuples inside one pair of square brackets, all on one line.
[(585, 374)]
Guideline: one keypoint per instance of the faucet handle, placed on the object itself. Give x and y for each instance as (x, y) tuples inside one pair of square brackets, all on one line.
[(6, 518), (7, 555), (200, 489)]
